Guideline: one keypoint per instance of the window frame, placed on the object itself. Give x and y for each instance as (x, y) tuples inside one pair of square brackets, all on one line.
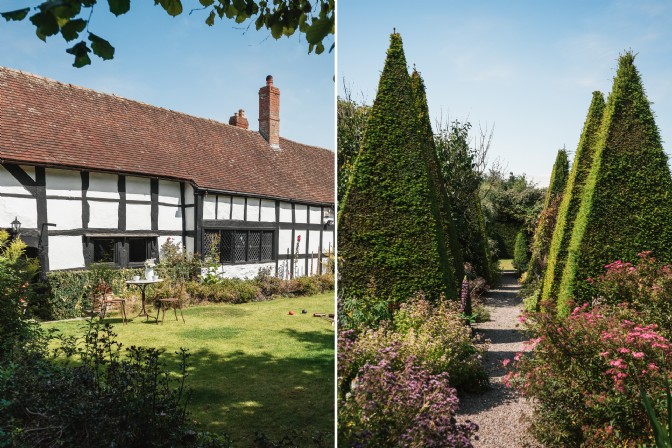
[(231, 259), (121, 251)]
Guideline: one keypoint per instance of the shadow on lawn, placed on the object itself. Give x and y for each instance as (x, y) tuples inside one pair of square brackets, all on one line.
[(241, 393)]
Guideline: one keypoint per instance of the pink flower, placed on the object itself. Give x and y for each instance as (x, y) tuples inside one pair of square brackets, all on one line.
[(638, 355), (506, 362), (298, 237)]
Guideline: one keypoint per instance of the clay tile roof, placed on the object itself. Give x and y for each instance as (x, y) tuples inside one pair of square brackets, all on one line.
[(50, 123)]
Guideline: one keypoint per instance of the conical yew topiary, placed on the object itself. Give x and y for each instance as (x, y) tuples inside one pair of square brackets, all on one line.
[(389, 228), (627, 198), (441, 207), (571, 199), (546, 221)]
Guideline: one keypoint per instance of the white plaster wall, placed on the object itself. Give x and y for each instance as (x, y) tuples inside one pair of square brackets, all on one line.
[(244, 270), (209, 207), (238, 210), (253, 206), (161, 240), (302, 243), (285, 212), (65, 213), (315, 215), (188, 194), (8, 184), (170, 218), (224, 207), (138, 189), (65, 252), (189, 212), (103, 215), (103, 186), (65, 183), (284, 242), (138, 216), (328, 241), (301, 213), (267, 213), (190, 245), (314, 242), (169, 192), (25, 209)]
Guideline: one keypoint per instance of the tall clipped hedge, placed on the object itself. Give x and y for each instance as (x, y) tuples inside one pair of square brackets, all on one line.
[(521, 255), (571, 199), (441, 207), (546, 220), (627, 200), (388, 223)]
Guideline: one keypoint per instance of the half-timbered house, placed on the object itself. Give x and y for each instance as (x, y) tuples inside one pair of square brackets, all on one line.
[(95, 178)]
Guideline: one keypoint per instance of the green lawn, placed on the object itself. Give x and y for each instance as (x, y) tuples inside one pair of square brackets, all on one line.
[(506, 265), (254, 367)]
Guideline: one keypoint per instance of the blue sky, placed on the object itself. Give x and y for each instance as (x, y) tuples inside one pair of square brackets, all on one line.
[(182, 64), (528, 68)]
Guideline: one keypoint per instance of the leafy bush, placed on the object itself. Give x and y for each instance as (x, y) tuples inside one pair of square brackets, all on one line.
[(226, 290), (16, 292), (435, 336), (97, 397), (70, 291), (395, 402)]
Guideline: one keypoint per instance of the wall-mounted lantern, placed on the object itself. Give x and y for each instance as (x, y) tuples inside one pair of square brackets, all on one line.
[(16, 226)]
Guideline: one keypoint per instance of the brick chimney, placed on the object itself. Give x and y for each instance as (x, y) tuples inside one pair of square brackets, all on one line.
[(269, 113), (238, 119)]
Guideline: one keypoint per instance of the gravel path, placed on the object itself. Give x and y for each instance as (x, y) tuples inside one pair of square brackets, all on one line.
[(501, 416)]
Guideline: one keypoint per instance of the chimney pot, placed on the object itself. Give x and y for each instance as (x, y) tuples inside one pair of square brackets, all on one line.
[(238, 119)]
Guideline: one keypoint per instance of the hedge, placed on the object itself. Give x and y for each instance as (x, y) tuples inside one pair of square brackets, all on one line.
[(442, 209), (387, 229), (520, 252), (543, 231), (627, 200), (69, 292), (571, 199)]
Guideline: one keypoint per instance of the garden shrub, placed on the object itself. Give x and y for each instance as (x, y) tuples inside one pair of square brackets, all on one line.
[(435, 335), (16, 292), (543, 231), (627, 199), (585, 373), (521, 256), (388, 225), (401, 407), (70, 291), (97, 396), (571, 199), (450, 249)]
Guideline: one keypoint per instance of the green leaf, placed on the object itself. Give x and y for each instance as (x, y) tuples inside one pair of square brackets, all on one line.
[(119, 7), (318, 30), (80, 51), (172, 7), (101, 47), (45, 24), (19, 14), (206, 3), (70, 31), (211, 18)]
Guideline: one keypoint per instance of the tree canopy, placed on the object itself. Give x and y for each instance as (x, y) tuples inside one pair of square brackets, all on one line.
[(315, 19)]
